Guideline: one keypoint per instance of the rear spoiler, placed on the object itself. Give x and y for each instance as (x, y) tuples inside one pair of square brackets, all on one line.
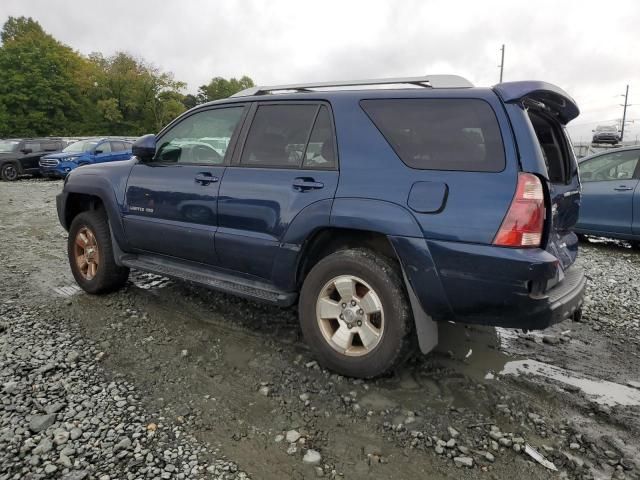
[(552, 97)]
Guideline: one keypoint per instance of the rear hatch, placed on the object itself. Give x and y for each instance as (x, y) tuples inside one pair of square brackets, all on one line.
[(539, 113)]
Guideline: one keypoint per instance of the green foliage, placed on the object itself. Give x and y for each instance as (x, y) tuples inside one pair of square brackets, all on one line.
[(219, 88), (46, 88), (39, 93)]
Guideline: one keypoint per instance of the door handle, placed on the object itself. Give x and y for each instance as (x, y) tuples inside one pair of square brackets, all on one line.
[(622, 188), (205, 178), (305, 183)]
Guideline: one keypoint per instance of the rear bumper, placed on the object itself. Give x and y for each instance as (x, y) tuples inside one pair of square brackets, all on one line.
[(482, 284)]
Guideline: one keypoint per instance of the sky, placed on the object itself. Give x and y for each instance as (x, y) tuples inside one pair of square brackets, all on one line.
[(588, 48)]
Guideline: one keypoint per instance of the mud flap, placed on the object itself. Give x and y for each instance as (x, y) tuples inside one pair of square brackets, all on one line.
[(426, 327)]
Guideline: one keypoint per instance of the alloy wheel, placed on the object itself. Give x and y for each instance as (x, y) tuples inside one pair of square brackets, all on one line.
[(86, 253), (350, 315)]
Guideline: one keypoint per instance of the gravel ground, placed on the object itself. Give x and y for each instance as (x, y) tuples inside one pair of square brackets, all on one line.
[(166, 380)]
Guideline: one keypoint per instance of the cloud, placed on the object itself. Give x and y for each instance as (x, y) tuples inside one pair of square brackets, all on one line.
[(577, 45)]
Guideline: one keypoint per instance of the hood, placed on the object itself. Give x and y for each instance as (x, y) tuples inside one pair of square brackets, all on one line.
[(65, 156)]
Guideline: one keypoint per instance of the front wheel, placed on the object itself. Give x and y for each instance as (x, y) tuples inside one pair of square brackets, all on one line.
[(91, 254), (355, 315), (9, 172)]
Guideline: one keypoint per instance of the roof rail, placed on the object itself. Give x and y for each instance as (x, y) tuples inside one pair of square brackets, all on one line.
[(431, 81)]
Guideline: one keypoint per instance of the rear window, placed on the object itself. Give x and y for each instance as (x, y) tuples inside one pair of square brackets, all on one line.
[(440, 134)]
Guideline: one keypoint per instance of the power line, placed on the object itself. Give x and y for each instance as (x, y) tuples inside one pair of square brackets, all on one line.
[(501, 62), (624, 111)]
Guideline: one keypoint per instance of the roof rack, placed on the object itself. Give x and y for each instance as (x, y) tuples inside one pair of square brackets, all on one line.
[(431, 81)]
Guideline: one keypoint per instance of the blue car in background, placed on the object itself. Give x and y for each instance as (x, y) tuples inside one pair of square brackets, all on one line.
[(84, 152), (611, 195)]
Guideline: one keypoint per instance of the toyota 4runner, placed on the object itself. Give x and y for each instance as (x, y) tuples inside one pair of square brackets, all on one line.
[(378, 211)]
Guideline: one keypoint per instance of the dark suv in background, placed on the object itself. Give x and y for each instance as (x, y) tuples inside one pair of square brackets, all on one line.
[(22, 156), (379, 212)]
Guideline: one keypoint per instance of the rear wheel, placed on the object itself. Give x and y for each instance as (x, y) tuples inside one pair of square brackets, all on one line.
[(355, 315), (91, 254), (9, 172)]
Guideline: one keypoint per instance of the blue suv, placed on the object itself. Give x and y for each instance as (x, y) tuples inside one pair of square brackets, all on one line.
[(84, 152), (379, 212)]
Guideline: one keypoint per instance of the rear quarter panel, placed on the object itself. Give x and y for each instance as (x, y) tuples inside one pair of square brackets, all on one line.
[(369, 169)]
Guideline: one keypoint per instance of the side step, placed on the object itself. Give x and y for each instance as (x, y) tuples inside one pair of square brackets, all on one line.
[(210, 278)]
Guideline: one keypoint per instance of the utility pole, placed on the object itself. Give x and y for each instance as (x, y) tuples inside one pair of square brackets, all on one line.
[(624, 112), (502, 63)]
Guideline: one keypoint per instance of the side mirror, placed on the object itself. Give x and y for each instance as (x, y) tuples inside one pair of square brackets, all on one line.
[(145, 147), (97, 152), (27, 151)]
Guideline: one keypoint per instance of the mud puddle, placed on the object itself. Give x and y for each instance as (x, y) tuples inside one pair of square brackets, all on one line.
[(599, 391)]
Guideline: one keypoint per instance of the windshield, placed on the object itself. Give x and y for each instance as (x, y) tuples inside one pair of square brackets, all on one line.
[(7, 146), (607, 129), (81, 146)]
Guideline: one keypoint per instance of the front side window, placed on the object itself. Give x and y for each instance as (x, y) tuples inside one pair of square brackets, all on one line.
[(278, 135), (81, 146), (104, 147), (202, 138), (611, 166), (440, 134), (7, 146)]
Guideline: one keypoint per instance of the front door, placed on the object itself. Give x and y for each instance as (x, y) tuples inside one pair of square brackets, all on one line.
[(171, 202), (608, 184), (103, 152), (287, 163)]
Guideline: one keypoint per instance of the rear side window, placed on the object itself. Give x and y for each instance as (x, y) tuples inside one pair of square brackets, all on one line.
[(440, 134), (278, 135), (33, 146), (320, 152)]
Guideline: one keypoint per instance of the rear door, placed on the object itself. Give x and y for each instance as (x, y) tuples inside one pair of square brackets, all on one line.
[(539, 112), (608, 185), (288, 162), (171, 202), (563, 185)]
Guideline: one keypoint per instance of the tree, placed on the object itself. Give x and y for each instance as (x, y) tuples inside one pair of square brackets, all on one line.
[(190, 101), (39, 91), (46, 88), (219, 88)]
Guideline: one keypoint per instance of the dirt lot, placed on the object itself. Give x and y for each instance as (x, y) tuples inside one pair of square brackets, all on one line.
[(166, 380)]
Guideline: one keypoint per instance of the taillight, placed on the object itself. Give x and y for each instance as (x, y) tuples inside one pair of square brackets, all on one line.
[(523, 225)]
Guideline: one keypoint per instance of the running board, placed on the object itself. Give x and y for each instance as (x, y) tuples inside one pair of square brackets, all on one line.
[(210, 278)]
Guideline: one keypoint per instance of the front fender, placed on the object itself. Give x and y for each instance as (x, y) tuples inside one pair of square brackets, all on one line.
[(110, 189)]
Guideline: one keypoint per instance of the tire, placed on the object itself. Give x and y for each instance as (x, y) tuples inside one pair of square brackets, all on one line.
[(9, 172), (364, 354), (102, 275)]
